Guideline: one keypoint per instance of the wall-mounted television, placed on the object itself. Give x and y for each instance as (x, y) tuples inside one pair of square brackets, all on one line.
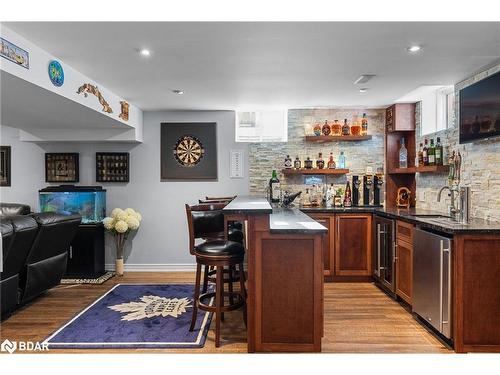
[(480, 110)]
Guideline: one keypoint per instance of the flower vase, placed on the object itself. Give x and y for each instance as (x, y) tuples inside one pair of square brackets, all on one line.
[(119, 267), (120, 244)]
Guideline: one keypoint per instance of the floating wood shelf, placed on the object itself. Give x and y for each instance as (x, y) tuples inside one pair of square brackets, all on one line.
[(332, 138), (314, 171), (426, 169)]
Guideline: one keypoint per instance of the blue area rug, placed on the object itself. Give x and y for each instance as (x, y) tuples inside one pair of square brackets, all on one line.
[(136, 316)]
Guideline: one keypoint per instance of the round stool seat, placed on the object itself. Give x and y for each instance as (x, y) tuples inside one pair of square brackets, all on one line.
[(221, 248), (235, 235)]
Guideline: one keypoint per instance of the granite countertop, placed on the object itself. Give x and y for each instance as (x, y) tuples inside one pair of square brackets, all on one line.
[(353, 209), (292, 220), (248, 205)]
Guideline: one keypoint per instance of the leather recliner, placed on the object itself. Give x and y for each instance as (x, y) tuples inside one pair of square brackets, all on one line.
[(47, 258), (24, 230), (8, 288), (8, 209)]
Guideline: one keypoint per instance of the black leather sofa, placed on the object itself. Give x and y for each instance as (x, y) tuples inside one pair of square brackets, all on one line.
[(35, 249)]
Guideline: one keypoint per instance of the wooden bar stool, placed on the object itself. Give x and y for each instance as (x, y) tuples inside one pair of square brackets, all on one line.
[(220, 255)]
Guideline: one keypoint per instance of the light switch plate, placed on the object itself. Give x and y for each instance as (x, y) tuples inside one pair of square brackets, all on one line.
[(236, 164)]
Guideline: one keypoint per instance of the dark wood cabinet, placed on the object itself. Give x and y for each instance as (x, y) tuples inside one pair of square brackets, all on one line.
[(328, 242), (86, 253), (404, 261), (353, 244), (400, 117)]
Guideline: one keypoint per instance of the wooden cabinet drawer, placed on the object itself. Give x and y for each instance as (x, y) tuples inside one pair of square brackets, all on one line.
[(404, 231)]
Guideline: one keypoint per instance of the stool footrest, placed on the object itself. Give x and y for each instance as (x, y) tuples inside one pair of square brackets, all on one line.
[(202, 305)]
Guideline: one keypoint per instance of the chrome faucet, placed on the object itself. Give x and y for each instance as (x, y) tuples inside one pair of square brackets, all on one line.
[(457, 214)]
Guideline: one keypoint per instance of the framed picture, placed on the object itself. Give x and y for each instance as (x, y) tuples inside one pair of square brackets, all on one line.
[(189, 151), (112, 166), (62, 167), (4, 165), (14, 53)]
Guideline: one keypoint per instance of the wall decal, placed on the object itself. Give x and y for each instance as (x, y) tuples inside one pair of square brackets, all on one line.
[(56, 73), (4, 165), (87, 88), (125, 108), (14, 53), (189, 151)]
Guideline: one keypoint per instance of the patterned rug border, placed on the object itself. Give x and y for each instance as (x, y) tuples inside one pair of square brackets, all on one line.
[(97, 281), (132, 345)]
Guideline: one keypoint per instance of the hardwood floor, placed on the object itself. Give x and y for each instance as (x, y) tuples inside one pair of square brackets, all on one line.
[(359, 318)]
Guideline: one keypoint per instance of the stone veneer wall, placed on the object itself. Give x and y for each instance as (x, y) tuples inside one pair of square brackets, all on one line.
[(480, 166), (264, 157)]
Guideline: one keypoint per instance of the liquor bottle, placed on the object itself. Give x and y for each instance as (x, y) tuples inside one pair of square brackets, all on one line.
[(364, 125), (342, 160), (308, 163), (297, 164), (331, 162), (336, 128), (305, 199), (288, 162), (439, 152), (330, 192), (431, 153), (326, 130), (317, 129), (403, 155), (320, 163), (420, 157), (347, 195), (345, 128), (274, 188), (425, 153), (355, 127)]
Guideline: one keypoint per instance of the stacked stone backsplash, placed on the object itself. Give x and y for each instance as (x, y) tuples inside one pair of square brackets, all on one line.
[(480, 166), (264, 157)]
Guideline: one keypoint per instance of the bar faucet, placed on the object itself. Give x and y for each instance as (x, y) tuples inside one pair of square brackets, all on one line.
[(457, 214)]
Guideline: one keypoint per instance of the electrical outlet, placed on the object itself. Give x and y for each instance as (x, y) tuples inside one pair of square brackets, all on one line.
[(421, 196)]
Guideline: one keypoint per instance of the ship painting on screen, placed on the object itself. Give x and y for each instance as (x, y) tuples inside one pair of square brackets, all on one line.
[(480, 109), (91, 205)]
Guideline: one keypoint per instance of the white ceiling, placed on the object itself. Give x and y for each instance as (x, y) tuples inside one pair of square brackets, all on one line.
[(260, 65)]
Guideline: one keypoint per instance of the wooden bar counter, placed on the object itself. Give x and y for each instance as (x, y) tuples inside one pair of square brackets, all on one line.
[(285, 276)]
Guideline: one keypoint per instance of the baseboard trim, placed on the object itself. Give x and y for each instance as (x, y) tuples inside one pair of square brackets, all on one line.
[(143, 267)]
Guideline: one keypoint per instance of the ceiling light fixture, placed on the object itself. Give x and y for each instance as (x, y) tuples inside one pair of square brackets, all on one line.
[(363, 79), (178, 92), (364, 89), (145, 52), (414, 49)]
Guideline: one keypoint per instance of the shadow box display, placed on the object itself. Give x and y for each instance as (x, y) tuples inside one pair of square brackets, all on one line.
[(62, 167), (4, 165), (112, 166)]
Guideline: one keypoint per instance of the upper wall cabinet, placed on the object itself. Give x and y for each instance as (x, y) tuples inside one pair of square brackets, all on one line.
[(400, 117)]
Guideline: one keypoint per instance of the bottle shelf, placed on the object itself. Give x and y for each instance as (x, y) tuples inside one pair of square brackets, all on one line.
[(314, 171), (425, 169), (331, 138)]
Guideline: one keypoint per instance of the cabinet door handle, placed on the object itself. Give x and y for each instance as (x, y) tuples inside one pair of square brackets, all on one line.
[(70, 252)]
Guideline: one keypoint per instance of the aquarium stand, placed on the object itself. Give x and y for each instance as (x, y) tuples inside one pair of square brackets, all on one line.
[(86, 253)]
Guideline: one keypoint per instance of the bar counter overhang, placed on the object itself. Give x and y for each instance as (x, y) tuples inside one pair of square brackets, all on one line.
[(285, 276)]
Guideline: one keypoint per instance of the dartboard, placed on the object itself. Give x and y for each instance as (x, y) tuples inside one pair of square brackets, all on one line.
[(188, 151)]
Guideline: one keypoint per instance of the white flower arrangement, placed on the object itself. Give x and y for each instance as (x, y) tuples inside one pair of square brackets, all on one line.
[(120, 224)]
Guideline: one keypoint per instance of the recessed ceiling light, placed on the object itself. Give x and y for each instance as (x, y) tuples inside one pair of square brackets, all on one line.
[(145, 52), (178, 92), (414, 49), (364, 89), (363, 78)]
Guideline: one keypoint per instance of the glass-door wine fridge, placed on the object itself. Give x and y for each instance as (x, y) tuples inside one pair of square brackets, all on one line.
[(384, 256)]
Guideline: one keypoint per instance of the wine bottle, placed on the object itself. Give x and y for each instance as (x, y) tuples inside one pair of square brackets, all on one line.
[(425, 153), (420, 156), (439, 152), (431, 153), (347, 195), (274, 188)]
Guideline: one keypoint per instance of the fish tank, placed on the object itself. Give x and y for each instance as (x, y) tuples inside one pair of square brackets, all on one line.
[(87, 201)]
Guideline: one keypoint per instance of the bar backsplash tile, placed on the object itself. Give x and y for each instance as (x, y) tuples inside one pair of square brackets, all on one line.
[(480, 166), (264, 157)]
